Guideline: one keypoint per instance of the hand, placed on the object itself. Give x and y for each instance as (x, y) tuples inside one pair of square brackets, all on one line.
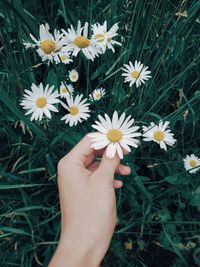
[(88, 206)]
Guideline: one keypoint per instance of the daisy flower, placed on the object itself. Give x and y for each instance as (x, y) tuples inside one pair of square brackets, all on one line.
[(78, 110), (137, 74), (62, 56), (73, 76), (66, 90), (114, 134), (40, 101), (77, 41), (47, 44), (97, 94), (103, 37), (159, 134), (191, 163)]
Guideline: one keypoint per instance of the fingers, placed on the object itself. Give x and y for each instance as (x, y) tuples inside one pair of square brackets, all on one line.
[(84, 155), (118, 184), (123, 169), (120, 169), (91, 157), (107, 167), (83, 148), (81, 151)]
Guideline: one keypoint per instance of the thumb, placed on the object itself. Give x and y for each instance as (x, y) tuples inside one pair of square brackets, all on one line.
[(108, 166)]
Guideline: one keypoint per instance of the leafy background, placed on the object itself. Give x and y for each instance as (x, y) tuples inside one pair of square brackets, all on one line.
[(158, 207)]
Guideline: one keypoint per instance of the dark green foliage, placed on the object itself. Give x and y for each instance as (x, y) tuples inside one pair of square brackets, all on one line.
[(158, 207)]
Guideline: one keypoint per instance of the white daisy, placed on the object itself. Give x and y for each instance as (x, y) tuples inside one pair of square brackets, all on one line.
[(137, 74), (77, 41), (159, 134), (40, 101), (73, 76), (78, 110), (66, 90), (104, 38), (97, 94), (114, 134), (191, 163), (47, 44), (62, 56)]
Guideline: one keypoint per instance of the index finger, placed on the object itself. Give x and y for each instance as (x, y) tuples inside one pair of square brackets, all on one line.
[(82, 151)]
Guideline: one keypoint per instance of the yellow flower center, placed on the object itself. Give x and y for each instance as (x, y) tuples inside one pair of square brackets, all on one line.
[(74, 77), (193, 163), (114, 135), (48, 46), (135, 74), (73, 110), (81, 41), (64, 90), (98, 95), (159, 136), (63, 58), (41, 102), (99, 37)]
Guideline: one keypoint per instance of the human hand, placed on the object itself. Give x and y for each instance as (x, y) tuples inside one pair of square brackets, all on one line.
[(88, 206)]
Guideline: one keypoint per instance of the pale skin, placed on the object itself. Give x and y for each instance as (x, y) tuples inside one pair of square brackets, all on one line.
[(88, 206)]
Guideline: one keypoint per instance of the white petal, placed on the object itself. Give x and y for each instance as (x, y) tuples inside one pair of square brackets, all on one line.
[(119, 151), (163, 145), (100, 129), (115, 119), (100, 144), (47, 113), (120, 121), (125, 146), (111, 150)]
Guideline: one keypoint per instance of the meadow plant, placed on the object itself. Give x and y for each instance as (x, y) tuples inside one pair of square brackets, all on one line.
[(127, 72)]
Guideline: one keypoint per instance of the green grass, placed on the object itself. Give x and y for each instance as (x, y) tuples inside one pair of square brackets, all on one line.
[(158, 207)]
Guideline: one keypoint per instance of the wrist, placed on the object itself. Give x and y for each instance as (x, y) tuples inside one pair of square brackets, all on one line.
[(76, 252)]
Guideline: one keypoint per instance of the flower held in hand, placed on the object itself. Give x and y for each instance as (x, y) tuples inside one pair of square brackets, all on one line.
[(114, 134)]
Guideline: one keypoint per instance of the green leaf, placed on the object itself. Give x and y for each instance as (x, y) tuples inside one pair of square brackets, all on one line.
[(195, 200), (23, 14), (19, 186), (172, 179), (141, 186), (14, 230), (175, 249)]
